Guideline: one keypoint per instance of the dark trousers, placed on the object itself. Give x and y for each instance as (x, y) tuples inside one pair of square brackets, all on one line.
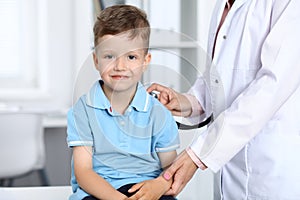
[(124, 190)]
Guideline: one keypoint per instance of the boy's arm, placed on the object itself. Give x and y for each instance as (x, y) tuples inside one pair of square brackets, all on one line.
[(155, 188), (88, 179), (166, 158)]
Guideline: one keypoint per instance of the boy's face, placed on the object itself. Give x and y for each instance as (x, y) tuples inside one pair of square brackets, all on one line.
[(121, 61)]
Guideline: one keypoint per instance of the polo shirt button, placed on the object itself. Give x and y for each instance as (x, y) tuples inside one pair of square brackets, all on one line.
[(122, 123)]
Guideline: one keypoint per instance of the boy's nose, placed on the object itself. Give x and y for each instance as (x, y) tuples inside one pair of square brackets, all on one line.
[(120, 63)]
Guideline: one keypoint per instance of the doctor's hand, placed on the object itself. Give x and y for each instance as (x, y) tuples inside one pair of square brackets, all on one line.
[(182, 170), (150, 190), (177, 103)]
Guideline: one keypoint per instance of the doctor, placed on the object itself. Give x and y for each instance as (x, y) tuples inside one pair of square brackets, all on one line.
[(252, 89)]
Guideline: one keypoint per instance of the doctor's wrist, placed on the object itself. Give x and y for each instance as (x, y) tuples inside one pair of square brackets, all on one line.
[(195, 159)]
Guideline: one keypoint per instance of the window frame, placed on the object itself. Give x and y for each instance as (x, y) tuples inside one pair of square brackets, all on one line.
[(30, 82)]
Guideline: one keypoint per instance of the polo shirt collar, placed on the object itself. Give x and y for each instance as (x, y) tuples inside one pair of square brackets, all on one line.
[(140, 101)]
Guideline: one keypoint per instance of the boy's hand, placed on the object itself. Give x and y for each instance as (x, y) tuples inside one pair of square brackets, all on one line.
[(150, 189)]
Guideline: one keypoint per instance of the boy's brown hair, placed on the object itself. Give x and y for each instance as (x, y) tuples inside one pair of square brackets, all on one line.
[(120, 18)]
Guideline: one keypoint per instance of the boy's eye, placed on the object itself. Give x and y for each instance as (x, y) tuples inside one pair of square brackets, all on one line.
[(131, 57), (109, 56)]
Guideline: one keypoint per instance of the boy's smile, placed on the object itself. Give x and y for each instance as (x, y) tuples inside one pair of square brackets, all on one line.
[(119, 77)]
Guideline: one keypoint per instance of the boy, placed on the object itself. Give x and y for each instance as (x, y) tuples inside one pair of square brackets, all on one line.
[(120, 135)]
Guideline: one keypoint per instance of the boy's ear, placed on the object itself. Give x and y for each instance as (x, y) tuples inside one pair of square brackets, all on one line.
[(96, 62), (147, 61)]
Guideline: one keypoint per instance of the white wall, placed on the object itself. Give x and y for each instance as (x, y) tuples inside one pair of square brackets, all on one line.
[(70, 42), (60, 51)]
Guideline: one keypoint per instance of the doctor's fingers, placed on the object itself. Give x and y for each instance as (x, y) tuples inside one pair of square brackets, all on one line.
[(177, 185), (157, 87), (181, 178), (174, 106), (170, 171), (165, 94), (182, 170)]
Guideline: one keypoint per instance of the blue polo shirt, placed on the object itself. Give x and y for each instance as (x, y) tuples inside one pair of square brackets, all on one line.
[(125, 146)]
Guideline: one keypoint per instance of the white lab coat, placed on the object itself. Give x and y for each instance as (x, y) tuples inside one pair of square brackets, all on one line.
[(253, 91)]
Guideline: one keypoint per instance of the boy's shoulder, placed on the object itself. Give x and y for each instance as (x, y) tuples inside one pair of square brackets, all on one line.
[(158, 108)]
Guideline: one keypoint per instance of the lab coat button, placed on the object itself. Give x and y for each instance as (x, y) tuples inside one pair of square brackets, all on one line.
[(250, 169), (217, 81), (224, 37)]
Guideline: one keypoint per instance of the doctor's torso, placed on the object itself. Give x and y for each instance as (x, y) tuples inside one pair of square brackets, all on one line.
[(250, 64)]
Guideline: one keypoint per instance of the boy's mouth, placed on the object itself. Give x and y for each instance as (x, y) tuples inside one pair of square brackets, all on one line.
[(119, 77)]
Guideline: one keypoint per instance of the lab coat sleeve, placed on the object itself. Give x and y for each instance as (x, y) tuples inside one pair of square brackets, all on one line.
[(275, 82), (201, 92)]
